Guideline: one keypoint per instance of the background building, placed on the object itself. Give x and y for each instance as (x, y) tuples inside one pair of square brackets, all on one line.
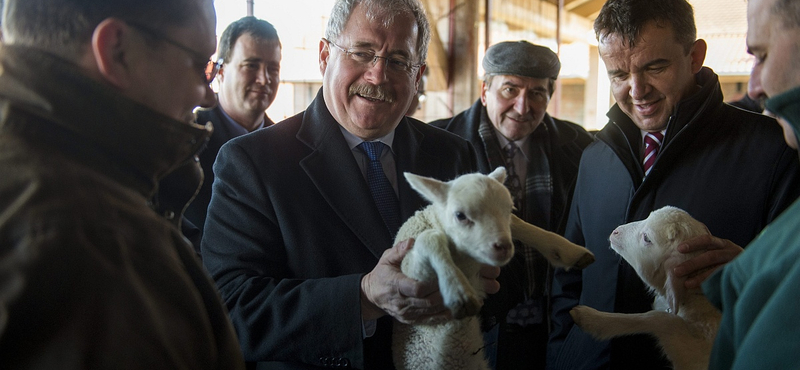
[(463, 29)]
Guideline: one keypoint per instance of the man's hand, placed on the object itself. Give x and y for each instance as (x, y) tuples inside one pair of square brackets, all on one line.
[(716, 253), (489, 276), (386, 290)]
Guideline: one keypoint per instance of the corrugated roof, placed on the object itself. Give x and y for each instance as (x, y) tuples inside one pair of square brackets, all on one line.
[(723, 24)]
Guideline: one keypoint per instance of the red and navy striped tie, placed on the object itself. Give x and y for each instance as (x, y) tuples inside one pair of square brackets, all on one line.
[(652, 142)]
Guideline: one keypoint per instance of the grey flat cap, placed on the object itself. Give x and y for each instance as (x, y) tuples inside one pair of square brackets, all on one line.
[(521, 58)]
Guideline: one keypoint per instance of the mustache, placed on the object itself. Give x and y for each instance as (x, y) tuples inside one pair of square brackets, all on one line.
[(372, 91)]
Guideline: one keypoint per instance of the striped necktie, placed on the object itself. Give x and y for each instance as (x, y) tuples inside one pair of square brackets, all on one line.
[(513, 182), (652, 143)]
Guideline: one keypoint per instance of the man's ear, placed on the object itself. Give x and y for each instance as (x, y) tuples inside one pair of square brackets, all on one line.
[(420, 72), (698, 54), (111, 48), (324, 53), (484, 87), (221, 72)]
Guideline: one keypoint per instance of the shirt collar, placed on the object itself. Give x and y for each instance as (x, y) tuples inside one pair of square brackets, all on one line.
[(233, 123), (644, 133), (353, 140), (522, 144)]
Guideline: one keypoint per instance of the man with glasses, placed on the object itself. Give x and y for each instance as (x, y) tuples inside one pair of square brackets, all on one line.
[(296, 237), (97, 109), (512, 113), (250, 54)]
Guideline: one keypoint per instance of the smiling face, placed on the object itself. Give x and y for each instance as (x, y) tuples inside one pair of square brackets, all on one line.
[(249, 81), (515, 105), (649, 79), (369, 100)]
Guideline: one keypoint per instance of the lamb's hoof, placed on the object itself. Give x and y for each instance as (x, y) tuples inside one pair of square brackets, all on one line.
[(580, 315), (585, 260), (470, 308), (589, 320)]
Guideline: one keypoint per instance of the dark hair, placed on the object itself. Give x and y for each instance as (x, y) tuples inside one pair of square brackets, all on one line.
[(788, 11), (66, 26), (258, 28), (626, 18)]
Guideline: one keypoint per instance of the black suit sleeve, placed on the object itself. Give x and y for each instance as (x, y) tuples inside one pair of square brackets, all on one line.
[(277, 315)]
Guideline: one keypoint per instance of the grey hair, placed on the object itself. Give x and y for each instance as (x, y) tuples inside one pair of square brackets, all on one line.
[(383, 11)]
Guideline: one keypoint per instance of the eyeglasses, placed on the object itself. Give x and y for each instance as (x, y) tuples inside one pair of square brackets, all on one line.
[(367, 57), (210, 68)]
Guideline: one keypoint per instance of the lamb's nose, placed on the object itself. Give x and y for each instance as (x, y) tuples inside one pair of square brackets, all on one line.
[(502, 246)]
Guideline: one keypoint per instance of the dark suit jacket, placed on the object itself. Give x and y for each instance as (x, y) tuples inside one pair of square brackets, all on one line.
[(224, 130), (292, 228)]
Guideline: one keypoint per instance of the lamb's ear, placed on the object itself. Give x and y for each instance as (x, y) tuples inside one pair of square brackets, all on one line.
[(671, 231), (433, 190), (674, 286), (499, 174)]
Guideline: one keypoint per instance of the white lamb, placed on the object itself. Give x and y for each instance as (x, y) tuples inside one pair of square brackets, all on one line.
[(468, 223), (687, 325)]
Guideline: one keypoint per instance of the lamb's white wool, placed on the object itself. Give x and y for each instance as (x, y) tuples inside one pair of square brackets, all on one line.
[(687, 329), (468, 223)]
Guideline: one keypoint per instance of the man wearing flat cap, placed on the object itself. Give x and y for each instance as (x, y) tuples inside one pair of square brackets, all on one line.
[(509, 126)]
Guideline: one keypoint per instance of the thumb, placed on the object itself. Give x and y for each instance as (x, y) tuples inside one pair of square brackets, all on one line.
[(399, 251)]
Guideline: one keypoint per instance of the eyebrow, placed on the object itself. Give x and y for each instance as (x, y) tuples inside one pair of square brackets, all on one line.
[(659, 61), (365, 44)]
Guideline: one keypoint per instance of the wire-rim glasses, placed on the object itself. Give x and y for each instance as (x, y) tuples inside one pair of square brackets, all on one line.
[(368, 57), (211, 67)]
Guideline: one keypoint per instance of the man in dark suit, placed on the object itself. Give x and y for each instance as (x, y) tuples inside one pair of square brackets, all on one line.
[(295, 238), (512, 110), (250, 52)]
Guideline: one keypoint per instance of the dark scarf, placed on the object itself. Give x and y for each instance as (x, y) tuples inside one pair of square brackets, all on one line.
[(536, 206)]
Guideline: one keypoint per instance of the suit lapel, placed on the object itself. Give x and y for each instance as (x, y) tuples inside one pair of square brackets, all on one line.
[(411, 156), (333, 170)]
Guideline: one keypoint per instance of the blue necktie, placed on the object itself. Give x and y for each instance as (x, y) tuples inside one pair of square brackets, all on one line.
[(380, 187)]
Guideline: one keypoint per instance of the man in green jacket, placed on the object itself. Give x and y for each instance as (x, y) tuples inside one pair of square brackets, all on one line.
[(758, 291)]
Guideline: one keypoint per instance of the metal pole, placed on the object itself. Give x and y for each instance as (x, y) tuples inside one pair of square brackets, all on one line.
[(487, 39), (559, 25), (250, 8), (451, 57)]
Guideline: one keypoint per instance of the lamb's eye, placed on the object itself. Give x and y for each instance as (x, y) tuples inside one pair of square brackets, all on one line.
[(461, 216), (646, 239)]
